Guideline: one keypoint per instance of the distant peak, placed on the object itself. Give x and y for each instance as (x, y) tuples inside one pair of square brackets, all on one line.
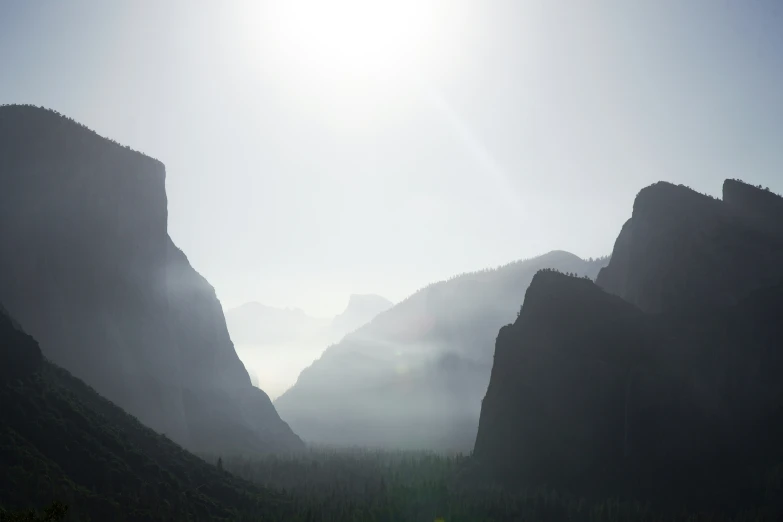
[(558, 254), (356, 299)]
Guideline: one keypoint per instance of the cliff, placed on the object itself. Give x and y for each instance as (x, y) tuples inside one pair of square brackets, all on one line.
[(89, 270), (414, 376), (681, 250), (668, 391)]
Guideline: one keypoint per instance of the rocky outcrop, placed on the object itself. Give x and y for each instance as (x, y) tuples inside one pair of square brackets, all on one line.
[(592, 396), (553, 411), (89, 270), (414, 376), (670, 383), (682, 250)]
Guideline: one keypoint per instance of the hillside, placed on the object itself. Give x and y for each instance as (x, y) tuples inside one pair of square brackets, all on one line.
[(88, 269), (414, 376), (594, 394), (59, 440)]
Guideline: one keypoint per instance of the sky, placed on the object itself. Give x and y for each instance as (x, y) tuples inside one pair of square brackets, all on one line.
[(312, 152)]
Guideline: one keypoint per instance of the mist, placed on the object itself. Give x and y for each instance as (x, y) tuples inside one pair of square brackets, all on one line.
[(276, 344), (296, 187), (411, 260), (414, 376)]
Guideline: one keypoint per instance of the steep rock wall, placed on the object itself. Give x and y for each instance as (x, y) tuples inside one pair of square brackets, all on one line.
[(89, 270)]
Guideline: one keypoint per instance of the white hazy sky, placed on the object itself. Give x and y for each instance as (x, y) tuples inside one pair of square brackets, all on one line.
[(378, 146)]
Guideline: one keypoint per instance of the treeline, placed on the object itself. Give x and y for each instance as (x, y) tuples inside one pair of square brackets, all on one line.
[(55, 512), (71, 121), (375, 486), (760, 187), (499, 268)]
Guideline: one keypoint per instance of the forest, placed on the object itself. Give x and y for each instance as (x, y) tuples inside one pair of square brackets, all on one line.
[(358, 485)]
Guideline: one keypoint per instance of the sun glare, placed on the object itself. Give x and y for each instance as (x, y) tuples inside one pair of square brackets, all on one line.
[(350, 40)]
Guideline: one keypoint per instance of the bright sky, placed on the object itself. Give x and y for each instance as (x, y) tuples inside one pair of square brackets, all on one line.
[(374, 147)]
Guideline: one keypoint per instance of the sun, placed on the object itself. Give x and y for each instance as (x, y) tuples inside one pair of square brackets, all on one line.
[(352, 40)]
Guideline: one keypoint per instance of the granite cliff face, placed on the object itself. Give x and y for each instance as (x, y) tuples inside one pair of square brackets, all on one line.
[(670, 383), (414, 376), (89, 270), (682, 249)]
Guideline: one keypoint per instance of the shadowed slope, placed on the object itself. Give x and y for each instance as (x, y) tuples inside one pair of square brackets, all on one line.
[(591, 394)]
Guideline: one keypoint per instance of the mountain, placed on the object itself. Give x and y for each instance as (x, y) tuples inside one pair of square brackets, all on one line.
[(682, 249), (60, 440), (278, 343), (668, 391), (88, 269), (260, 325), (361, 309), (414, 376)]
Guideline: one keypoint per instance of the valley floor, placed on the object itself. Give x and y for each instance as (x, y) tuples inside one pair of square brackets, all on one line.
[(368, 485)]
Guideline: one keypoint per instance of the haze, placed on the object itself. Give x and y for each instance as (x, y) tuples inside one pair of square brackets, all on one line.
[(297, 183), (450, 260)]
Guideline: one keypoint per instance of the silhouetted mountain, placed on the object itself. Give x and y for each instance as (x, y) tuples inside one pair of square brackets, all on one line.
[(414, 376), (87, 267), (361, 309), (60, 440), (674, 396), (682, 249)]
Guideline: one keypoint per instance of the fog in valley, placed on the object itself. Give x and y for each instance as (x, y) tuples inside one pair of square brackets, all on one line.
[(277, 344)]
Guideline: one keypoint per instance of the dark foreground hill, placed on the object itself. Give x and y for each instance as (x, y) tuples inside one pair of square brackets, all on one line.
[(60, 440), (88, 269), (414, 376), (593, 394)]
